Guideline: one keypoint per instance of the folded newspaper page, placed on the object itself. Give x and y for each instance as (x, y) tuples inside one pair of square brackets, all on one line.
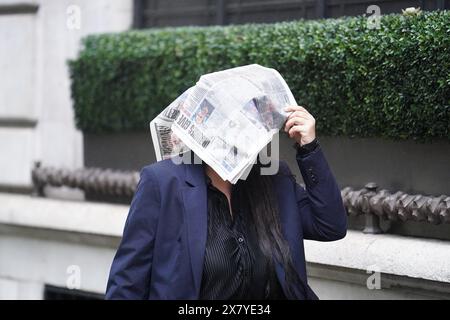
[(226, 119)]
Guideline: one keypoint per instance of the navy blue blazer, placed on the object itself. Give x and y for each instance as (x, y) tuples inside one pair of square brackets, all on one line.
[(162, 250)]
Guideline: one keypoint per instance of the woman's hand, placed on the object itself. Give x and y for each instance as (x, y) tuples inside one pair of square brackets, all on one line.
[(300, 125)]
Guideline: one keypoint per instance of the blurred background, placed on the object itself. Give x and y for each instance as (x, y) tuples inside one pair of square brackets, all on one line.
[(80, 80)]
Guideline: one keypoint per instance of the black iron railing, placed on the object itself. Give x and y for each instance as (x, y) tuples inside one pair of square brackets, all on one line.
[(153, 13), (374, 204)]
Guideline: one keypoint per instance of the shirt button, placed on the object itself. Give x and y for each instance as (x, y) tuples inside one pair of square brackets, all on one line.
[(240, 239)]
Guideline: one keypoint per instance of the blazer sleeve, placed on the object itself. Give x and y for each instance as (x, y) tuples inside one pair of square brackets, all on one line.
[(129, 277), (320, 203)]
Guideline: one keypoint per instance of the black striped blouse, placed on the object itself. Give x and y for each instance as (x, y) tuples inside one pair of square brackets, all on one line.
[(234, 266)]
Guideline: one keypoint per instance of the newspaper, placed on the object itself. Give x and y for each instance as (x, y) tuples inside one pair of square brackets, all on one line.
[(226, 119)]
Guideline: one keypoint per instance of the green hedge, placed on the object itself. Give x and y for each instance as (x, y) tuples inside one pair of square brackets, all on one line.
[(390, 82)]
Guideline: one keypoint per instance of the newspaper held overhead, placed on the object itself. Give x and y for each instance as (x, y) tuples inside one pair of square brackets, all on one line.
[(226, 119)]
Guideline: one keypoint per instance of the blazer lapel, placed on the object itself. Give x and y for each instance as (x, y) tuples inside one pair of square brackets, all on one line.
[(195, 206)]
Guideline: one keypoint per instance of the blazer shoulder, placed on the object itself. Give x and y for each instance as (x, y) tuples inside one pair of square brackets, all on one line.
[(161, 171), (284, 170), (284, 167), (283, 174)]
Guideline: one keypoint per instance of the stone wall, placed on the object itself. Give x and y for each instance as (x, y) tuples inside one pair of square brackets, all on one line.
[(36, 116), (43, 241)]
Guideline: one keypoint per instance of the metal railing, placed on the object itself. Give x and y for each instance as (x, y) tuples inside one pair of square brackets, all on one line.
[(374, 204), (106, 182), (382, 204)]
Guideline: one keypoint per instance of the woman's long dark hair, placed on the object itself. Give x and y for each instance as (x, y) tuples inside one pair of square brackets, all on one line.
[(264, 209)]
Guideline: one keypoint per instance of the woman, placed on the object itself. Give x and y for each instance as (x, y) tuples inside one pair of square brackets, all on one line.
[(191, 235)]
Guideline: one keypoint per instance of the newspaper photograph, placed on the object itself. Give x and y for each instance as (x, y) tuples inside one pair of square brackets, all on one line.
[(226, 119)]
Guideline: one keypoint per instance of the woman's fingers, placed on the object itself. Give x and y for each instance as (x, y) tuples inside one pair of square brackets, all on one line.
[(295, 108), (300, 124), (294, 121), (300, 113), (297, 129)]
